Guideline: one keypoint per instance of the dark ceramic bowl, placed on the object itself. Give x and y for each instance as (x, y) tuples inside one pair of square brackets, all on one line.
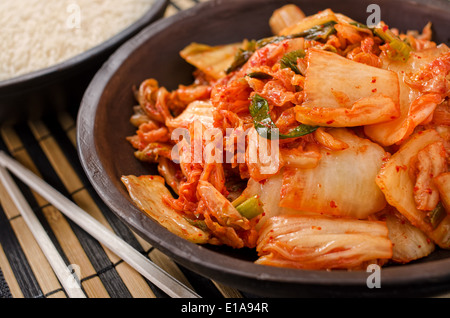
[(62, 86), (103, 124)]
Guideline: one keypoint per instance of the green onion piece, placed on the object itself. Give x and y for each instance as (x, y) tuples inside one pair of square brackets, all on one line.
[(317, 33), (259, 75), (401, 49), (360, 25), (289, 60), (436, 215), (198, 223), (239, 200), (329, 48), (260, 111), (250, 208), (300, 130), (242, 56)]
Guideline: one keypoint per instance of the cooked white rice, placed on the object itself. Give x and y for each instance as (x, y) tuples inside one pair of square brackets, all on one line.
[(35, 34)]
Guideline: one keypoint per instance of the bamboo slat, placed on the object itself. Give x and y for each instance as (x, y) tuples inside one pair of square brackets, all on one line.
[(8, 275), (45, 276)]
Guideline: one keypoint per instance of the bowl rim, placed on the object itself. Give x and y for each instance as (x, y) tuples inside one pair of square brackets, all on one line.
[(42, 77), (206, 262)]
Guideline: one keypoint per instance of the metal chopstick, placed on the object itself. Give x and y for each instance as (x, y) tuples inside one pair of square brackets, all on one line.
[(139, 262), (64, 275)]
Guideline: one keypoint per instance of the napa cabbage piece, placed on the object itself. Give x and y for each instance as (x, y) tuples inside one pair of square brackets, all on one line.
[(409, 242), (222, 209), (342, 184), (200, 111), (169, 171), (328, 141), (262, 156), (414, 106), (223, 219), (284, 17), (310, 22), (268, 193), (359, 27), (148, 193), (322, 242), (395, 180), (211, 60), (442, 182), (339, 92), (307, 157)]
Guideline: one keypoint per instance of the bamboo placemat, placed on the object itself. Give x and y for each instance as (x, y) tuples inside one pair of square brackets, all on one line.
[(48, 147)]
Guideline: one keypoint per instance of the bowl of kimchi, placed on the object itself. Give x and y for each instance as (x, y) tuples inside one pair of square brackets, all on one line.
[(284, 148)]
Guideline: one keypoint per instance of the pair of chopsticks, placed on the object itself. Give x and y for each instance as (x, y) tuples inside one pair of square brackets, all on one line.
[(68, 280)]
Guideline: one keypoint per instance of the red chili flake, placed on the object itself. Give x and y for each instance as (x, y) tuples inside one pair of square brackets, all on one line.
[(385, 28), (403, 167), (374, 79), (330, 122), (333, 204), (374, 90)]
